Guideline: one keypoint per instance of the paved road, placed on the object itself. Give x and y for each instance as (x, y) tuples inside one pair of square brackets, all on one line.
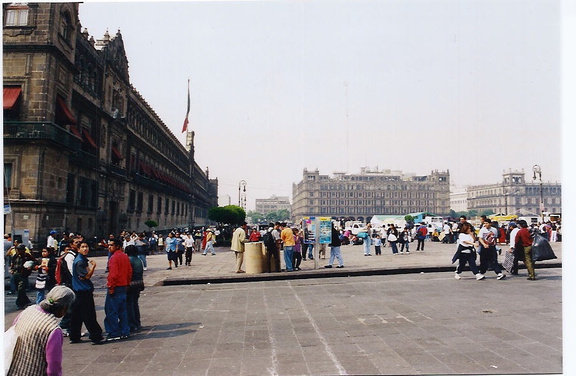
[(397, 324)]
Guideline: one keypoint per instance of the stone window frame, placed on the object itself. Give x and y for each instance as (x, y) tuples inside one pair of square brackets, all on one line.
[(14, 14)]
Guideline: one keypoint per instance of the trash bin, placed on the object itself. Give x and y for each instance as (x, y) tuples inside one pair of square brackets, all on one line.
[(254, 257)]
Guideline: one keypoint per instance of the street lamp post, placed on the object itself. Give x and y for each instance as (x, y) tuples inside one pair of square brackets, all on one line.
[(242, 196), (538, 174)]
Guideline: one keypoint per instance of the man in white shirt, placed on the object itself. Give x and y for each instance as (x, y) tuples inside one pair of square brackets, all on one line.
[(51, 242)]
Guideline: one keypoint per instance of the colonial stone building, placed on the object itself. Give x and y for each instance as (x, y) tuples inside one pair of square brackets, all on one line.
[(514, 195), (272, 204), (370, 193), (83, 150)]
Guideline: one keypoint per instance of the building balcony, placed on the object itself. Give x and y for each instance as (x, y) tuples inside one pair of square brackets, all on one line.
[(24, 130)]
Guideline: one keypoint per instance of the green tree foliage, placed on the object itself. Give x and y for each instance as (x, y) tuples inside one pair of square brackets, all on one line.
[(282, 215), (151, 223), (408, 218), (230, 214)]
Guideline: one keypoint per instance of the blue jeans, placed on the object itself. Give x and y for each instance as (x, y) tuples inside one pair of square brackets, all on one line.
[(407, 244), (288, 255), (394, 247), (115, 306), (142, 257), (311, 251), (367, 244), (209, 247), (40, 295), (335, 254)]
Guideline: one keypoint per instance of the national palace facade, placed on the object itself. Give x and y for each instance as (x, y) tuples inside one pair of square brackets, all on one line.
[(83, 150)]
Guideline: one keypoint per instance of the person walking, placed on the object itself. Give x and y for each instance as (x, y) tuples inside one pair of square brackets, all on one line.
[(189, 244), (115, 306), (335, 253), (237, 246), (488, 253), (466, 253), (210, 238), (83, 310)]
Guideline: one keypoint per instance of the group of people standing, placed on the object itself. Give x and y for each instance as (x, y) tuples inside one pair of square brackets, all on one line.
[(66, 302)]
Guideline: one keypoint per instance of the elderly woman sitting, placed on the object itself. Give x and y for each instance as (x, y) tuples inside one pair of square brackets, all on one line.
[(38, 349)]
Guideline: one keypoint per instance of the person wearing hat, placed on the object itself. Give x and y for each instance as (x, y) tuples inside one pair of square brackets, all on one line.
[(210, 238), (51, 242), (20, 269), (38, 350)]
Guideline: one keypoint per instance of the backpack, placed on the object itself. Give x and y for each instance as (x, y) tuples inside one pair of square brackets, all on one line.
[(62, 274), (269, 241)]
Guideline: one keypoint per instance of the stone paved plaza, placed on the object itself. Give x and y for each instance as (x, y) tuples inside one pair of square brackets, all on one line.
[(393, 324)]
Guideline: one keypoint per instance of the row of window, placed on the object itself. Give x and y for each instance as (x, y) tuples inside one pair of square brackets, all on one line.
[(149, 130), (172, 207), (368, 194), (373, 203)]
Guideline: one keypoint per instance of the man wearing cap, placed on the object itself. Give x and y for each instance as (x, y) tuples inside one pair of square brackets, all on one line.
[(210, 237), (51, 242), (39, 348), (237, 245), (115, 306)]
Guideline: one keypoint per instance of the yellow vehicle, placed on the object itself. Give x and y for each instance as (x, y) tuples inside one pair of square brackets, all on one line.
[(503, 218)]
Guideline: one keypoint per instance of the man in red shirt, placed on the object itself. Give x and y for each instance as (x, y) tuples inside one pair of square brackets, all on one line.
[(525, 238), (119, 276)]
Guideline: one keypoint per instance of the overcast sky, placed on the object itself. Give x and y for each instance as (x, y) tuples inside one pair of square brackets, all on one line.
[(279, 86)]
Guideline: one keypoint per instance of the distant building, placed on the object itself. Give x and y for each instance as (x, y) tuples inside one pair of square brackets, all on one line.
[(370, 193), (515, 196), (272, 204), (83, 150), (458, 199)]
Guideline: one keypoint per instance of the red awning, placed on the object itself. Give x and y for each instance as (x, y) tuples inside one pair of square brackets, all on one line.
[(89, 138), (11, 95), (116, 153), (70, 119), (76, 132)]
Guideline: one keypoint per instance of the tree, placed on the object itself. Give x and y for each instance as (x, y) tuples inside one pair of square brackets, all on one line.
[(256, 217), (408, 218), (151, 223), (230, 214)]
